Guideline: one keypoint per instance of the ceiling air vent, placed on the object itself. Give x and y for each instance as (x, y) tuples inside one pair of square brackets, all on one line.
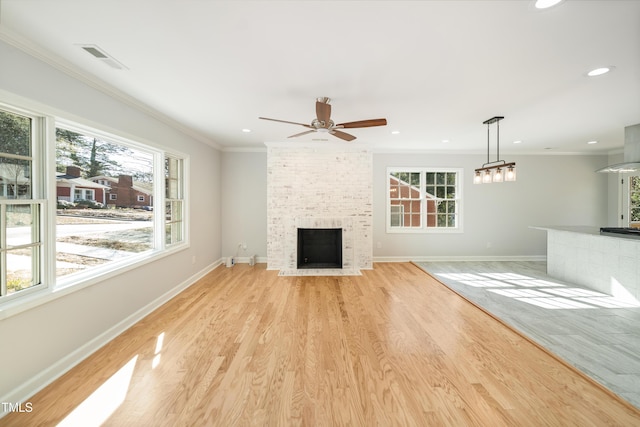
[(100, 54)]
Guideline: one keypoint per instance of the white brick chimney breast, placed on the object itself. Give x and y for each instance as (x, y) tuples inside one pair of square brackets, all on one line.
[(319, 185)]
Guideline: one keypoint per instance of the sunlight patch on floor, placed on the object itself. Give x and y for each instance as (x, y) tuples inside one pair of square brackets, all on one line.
[(156, 359), (103, 402), (619, 291), (554, 295)]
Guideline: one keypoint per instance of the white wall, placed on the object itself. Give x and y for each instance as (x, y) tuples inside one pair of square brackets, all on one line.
[(244, 204), (40, 343), (550, 190), (554, 189)]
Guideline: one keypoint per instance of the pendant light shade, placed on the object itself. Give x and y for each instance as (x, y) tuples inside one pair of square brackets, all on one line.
[(498, 170), (486, 179), (497, 175)]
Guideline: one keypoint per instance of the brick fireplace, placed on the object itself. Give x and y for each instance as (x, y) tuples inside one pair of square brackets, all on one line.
[(323, 185)]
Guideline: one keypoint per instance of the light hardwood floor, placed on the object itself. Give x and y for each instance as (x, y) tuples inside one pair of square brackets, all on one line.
[(244, 346)]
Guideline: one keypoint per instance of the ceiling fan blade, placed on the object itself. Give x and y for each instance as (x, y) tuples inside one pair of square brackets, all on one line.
[(323, 111), (301, 133), (342, 135), (363, 123), (285, 121)]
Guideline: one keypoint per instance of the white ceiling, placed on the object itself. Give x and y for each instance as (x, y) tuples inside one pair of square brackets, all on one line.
[(435, 69)]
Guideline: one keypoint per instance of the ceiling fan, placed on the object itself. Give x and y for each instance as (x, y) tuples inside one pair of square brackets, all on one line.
[(323, 122)]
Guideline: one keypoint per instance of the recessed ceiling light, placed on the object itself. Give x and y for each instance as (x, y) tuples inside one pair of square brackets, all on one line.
[(517, 142), (445, 141), (245, 130), (599, 71), (544, 4), (395, 132), (592, 142)]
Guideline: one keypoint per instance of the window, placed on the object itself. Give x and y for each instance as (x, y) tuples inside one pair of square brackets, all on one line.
[(424, 199), (406, 202), (441, 190), (397, 215), (84, 194), (84, 238), (20, 225), (632, 204), (174, 203), (82, 241)]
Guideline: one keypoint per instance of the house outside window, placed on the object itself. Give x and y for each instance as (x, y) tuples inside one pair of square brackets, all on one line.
[(83, 249), (76, 250), (424, 200)]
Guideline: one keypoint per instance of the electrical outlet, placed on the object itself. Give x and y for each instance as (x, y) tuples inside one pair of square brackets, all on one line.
[(193, 259)]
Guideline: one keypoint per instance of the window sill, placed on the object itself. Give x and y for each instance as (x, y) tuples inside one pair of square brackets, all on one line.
[(77, 282)]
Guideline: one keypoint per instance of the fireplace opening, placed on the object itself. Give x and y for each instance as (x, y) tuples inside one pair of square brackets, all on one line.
[(319, 248)]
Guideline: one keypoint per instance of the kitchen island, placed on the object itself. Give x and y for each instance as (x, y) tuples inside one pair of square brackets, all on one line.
[(605, 263)]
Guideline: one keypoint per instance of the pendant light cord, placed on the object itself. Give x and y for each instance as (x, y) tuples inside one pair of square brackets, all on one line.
[(498, 141), (488, 127)]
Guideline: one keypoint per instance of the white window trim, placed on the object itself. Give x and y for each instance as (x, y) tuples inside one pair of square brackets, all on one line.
[(183, 199), (43, 167), (424, 229)]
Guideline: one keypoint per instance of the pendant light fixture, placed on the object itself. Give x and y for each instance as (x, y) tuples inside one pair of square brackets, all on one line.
[(498, 170)]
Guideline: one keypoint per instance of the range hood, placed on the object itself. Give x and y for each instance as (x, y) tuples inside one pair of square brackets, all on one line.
[(631, 152)]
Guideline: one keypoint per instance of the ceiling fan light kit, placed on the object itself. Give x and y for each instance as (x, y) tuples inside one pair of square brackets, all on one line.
[(323, 123), (498, 170)]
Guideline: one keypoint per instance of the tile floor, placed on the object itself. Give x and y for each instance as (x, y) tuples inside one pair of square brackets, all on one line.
[(592, 331)]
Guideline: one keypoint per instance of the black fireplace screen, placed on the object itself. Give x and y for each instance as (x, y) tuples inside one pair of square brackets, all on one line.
[(319, 248)]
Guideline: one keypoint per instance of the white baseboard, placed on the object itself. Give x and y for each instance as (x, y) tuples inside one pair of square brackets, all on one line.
[(460, 258), (47, 376)]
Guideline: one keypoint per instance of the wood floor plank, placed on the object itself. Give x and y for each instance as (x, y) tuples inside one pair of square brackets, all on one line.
[(246, 347)]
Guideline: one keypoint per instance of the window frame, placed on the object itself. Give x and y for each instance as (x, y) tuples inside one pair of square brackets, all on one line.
[(424, 228), (37, 192), (178, 200), (43, 193)]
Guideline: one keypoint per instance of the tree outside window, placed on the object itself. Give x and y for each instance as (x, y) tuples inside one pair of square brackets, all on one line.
[(104, 197), (92, 232)]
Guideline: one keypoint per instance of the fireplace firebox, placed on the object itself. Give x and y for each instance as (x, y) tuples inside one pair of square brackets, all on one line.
[(319, 248)]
